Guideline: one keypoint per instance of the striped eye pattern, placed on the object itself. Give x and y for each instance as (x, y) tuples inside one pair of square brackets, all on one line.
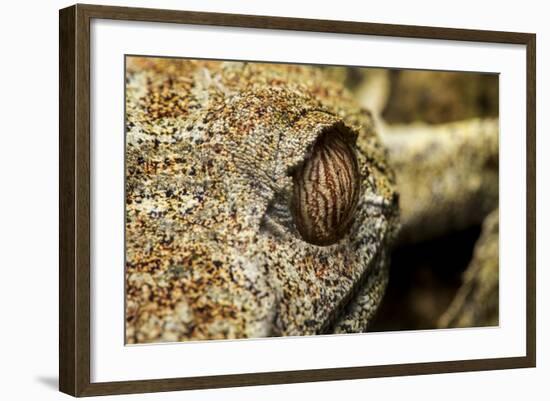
[(326, 190)]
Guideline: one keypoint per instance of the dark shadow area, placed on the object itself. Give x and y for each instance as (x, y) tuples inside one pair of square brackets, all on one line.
[(423, 280)]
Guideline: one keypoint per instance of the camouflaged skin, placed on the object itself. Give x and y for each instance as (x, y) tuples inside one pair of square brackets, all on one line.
[(211, 247)]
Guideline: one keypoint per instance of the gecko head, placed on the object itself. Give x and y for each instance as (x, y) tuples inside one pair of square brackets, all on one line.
[(274, 205)]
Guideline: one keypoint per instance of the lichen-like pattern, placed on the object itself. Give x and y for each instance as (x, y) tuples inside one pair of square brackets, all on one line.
[(212, 251)]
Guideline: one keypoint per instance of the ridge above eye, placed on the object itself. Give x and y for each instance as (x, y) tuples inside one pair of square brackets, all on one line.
[(326, 190)]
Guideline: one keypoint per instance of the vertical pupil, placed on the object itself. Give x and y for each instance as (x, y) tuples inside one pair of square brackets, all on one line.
[(326, 190)]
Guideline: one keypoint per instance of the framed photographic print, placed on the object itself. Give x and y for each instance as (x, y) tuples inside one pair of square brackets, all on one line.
[(251, 200)]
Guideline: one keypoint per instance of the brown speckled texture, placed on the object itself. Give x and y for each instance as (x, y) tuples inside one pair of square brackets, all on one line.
[(211, 248)]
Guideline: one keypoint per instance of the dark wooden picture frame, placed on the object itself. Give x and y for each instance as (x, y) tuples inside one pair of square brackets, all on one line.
[(74, 199)]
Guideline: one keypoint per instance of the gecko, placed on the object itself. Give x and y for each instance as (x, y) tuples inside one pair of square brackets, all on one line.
[(260, 201)]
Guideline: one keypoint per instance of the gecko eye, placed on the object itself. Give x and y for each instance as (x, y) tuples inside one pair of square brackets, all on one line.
[(326, 190)]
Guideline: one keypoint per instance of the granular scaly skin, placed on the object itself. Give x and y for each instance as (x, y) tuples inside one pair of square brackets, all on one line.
[(211, 248)]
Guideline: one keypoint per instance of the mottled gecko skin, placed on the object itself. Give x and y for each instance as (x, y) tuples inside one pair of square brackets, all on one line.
[(212, 251)]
